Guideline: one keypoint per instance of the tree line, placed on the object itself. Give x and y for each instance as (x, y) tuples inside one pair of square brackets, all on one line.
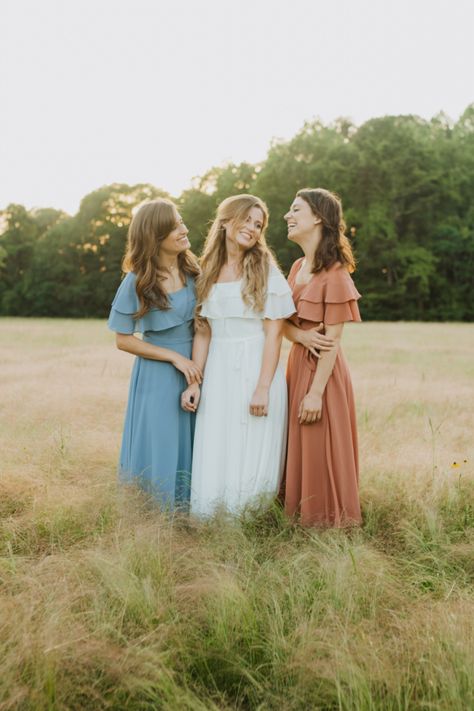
[(406, 185)]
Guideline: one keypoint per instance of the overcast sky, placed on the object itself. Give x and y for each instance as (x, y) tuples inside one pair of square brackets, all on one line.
[(102, 91)]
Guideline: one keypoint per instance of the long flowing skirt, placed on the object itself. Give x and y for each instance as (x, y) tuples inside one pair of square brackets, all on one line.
[(156, 450), (238, 458), (322, 469)]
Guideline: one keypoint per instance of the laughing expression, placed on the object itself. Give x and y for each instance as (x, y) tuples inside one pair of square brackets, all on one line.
[(300, 219), (246, 234), (177, 240)]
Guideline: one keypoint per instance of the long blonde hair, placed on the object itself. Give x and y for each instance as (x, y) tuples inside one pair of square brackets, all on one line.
[(256, 260), (150, 225)]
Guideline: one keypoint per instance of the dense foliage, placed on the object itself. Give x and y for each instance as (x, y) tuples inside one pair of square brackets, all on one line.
[(406, 186)]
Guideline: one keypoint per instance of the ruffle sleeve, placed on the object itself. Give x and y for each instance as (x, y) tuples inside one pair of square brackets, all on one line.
[(330, 297), (279, 301), (126, 304)]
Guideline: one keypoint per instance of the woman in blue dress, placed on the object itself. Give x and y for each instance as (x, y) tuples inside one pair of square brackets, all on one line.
[(157, 299)]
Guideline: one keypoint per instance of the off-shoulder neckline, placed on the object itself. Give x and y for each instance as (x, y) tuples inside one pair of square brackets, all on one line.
[(239, 281)]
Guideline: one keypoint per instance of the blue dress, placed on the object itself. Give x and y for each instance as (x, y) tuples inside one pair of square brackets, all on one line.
[(158, 434)]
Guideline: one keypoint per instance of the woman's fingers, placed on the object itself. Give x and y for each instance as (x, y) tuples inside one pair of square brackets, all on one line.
[(322, 346), (258, 410), (185, 403), (314, 352), (321, 341), (193, 375), (308, 417), (188, 404), (190, 400)]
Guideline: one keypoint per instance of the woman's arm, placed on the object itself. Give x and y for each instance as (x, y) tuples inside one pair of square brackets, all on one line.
[(311, 339), (202, 338), (271, 353), (311, 406), (135, 346)]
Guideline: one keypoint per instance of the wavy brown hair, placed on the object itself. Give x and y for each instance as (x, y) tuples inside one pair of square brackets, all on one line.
[(150, 225), (334, 245), (256, 260)]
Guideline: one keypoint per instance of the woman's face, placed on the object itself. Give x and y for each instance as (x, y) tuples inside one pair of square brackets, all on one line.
[(177, 240), (245, 235), (300, 219)]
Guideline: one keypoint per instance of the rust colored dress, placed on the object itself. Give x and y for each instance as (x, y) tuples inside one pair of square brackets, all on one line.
[(322, 472)]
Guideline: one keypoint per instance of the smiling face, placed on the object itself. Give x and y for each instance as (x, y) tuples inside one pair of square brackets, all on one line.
[(245, 235), (301, 220), (177, 240)]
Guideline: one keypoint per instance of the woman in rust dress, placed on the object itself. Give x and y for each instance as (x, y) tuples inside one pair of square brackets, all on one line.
[(321, 483)]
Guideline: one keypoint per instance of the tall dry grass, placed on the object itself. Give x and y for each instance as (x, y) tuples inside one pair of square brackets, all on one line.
[(107, 604)]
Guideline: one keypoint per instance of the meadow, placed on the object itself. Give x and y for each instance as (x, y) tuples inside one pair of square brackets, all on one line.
[(107, 604)]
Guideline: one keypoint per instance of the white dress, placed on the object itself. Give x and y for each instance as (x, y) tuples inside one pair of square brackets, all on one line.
[(238, 457)]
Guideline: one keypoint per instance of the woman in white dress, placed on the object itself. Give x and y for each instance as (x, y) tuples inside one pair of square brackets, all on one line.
[(240, 437)]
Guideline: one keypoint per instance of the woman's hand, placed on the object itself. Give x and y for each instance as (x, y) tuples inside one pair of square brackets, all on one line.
[(315, 341), (188, 368), (310, 409), (190, 398), (259, 402)]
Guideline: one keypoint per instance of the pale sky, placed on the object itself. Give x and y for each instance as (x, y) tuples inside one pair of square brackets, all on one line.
[(102, 91)]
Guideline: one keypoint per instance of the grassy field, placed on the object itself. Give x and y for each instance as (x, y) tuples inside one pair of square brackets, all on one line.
[(106, 604)]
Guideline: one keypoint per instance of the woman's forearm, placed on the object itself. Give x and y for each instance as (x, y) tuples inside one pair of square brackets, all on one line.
[(202, 338), (135, 346), (271, 352), (291, 332), (326, 361)]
